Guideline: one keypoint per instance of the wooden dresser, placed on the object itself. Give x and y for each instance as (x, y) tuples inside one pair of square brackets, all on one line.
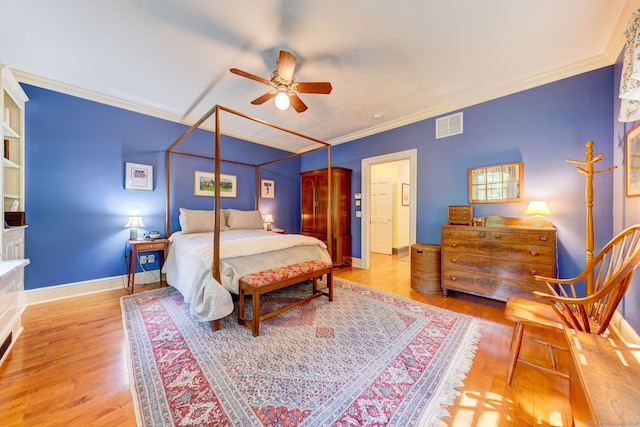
[(497, 261)]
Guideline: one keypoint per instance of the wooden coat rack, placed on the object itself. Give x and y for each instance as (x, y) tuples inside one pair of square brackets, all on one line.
[(589, 172)]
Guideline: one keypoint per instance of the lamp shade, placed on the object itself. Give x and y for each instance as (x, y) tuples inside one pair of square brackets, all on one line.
[(134, 222), (537, 207)]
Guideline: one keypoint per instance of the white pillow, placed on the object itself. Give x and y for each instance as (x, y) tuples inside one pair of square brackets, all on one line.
[(244, 220), (199, 221)]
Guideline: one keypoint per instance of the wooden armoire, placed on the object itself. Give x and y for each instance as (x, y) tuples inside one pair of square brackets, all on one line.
[(314, 209)]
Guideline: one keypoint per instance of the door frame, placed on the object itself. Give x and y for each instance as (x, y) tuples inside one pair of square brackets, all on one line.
[(365, 225)]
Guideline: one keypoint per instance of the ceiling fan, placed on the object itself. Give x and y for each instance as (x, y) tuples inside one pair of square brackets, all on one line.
[(285, 88)]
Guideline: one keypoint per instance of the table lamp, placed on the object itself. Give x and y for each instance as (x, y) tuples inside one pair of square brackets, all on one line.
[(268, 219), (134, 223), (537, 209)]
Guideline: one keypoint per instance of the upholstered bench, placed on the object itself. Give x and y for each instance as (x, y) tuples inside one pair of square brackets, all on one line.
[(259, 283)]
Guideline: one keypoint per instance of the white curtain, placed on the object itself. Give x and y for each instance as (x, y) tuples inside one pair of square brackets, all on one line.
[(630, 80)]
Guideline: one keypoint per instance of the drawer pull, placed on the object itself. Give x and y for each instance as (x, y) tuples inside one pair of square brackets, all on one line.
[(498, 236), (534, 253), (454, 260), (533, 272), (543, 238), (419, 252), (454, 279), (454, 245), (448, 233), (481, 234)]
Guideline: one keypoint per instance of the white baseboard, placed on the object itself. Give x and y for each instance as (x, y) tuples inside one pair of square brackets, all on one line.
[(356, 262), (621, 329), (52, 293)]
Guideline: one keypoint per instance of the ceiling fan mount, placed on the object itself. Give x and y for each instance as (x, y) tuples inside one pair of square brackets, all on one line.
[(284, 87)]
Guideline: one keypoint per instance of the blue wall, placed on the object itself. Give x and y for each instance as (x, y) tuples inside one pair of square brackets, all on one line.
[(76, 202), (542, 127), (77, 205)]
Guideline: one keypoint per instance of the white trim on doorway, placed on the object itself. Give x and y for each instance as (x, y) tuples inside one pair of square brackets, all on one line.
[(365, 229)]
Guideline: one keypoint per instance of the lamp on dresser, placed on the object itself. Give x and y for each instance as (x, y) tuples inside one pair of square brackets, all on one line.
[(134, 223), (537, 209)]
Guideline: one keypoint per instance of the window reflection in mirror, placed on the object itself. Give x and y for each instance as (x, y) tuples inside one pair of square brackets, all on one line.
[(497, 184)]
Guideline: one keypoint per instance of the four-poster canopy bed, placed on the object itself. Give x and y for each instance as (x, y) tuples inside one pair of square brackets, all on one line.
[(213, 251)]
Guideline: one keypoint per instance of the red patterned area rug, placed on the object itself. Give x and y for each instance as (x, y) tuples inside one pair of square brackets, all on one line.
[(366, 359)]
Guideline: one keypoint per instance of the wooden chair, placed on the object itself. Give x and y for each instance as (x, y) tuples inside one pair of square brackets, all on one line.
[(610, 273)]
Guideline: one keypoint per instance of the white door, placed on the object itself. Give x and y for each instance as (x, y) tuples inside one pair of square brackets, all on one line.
[(381, 215)]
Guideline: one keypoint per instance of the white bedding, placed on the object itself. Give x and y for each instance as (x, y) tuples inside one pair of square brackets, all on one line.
[(188, 265)]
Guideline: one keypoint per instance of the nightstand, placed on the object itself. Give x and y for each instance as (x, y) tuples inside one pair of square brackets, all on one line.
[(137, 246), (277, 230)]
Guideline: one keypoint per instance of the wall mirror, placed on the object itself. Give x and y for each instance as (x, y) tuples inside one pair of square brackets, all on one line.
[(497, 184)]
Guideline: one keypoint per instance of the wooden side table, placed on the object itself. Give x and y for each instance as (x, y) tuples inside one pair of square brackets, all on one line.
[(137, 246)]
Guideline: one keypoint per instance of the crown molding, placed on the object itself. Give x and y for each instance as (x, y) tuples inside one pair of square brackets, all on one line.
[(67, 89), (501, 91)]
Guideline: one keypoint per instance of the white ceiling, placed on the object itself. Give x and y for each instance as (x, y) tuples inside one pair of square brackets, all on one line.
[(405, 60)]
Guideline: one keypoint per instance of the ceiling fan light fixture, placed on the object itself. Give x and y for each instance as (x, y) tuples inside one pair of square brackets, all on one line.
[(282, 100)]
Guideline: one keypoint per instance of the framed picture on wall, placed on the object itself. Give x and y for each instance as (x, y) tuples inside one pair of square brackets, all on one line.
[(204, 184), (138, 177), (406, 194), (267, 188), (632, 163)]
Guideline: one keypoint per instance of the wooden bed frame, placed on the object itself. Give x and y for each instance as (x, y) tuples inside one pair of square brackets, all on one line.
[(216, 110)]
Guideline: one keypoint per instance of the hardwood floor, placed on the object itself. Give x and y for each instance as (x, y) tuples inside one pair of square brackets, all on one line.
[(69, 365)]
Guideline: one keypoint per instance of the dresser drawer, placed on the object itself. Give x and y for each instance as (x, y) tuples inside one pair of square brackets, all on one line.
[(505, 268), (538, 238), (465, 233), (532, 253), (500, 288)]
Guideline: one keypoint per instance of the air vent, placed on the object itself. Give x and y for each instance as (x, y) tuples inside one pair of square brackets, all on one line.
[(449, 125)]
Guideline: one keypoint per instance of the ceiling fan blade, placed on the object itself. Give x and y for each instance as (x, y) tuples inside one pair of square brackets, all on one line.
[(262, 99), (313, 87), (249, 76), (286, 65), (297, 103)]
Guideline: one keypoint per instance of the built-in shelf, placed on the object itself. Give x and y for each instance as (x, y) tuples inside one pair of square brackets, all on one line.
[(12, 169), (9, 164), (10, 132)]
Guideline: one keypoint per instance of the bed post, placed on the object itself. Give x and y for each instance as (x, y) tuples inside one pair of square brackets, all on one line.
[(215, 324), (167, 213), (330, 202)]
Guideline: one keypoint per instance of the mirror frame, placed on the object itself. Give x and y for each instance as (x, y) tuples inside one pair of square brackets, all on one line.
[(518, 180)]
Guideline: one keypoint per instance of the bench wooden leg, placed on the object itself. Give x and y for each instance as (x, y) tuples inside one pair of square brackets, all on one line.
[(241, 306), (215, 325), (255, 306), (330, 285)]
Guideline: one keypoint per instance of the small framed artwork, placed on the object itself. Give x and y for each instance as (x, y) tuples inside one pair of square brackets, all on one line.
[(204, 184), (406, 194), (267, 188), (632, 163), (138, 177)]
